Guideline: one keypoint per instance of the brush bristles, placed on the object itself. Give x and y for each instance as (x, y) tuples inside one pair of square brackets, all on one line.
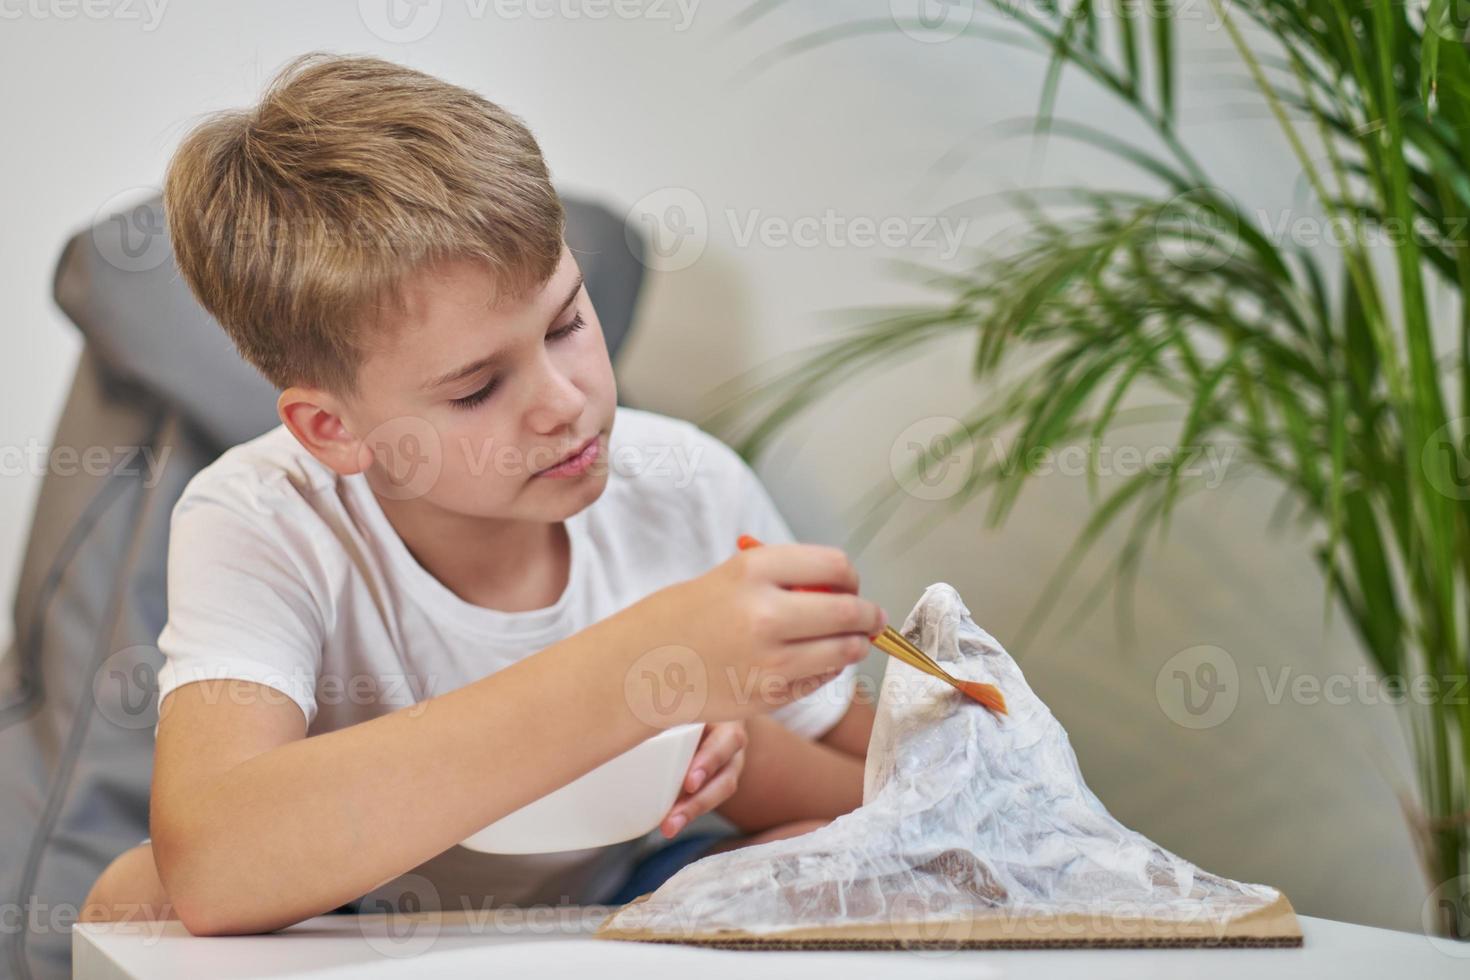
[(987, 694)]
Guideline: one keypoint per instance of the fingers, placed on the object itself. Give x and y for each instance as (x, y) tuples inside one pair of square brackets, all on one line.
[(722, 740), (809, 615), (797, 615), (720, 749), (816, 662), (720, 788), (791, 565)]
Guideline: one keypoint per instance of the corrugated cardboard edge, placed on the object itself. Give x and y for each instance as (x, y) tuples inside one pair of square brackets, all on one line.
[(1273, 925)]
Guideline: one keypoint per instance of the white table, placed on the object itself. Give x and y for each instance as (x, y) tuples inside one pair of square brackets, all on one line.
[(502, 943)]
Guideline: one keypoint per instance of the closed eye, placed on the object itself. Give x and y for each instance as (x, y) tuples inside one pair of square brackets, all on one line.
[(577, 324), (474, 398)]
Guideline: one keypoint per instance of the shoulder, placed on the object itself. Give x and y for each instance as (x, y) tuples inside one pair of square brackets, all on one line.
[(267, 494), (264, 515), (263, 476), (660, 454)]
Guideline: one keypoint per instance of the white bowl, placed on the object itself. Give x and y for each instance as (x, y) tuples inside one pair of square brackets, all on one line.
[(625, 797)]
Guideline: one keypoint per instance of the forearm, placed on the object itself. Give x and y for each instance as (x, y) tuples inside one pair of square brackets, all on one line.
[(854, 730), (307, 826), (787, 777)]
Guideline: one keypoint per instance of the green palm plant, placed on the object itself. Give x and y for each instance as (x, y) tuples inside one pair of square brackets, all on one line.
[(1322, 369)]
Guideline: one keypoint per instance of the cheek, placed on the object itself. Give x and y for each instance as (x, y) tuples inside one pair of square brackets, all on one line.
[(596, 365), (400, 445), (477, 449)]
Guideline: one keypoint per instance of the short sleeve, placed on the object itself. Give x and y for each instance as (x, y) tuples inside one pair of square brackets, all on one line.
[(817, 713), (240, 606)]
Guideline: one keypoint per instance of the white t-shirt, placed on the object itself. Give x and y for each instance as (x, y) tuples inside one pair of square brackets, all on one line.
[(282, 572)]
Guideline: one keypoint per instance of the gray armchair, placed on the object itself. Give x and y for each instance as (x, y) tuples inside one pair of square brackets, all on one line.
[(160, 389)]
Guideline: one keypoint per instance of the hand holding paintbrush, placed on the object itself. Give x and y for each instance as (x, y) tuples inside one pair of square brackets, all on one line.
[(893, 643)]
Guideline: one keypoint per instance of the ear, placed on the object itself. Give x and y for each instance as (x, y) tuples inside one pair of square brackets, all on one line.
[(315, 418)]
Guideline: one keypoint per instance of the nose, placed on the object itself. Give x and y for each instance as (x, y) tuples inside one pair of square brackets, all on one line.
[(557, 402)]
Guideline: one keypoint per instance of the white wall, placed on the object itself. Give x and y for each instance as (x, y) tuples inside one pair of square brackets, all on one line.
[(1298, 795)]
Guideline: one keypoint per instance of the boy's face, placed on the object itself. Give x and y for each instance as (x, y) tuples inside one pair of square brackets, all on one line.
[(467, 405)]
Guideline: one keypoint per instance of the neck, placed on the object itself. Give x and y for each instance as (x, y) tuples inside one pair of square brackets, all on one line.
[(507, 565)]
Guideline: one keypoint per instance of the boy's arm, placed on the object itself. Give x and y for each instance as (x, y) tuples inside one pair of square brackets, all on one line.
[(854, 730), (788, 777), (255, 827)]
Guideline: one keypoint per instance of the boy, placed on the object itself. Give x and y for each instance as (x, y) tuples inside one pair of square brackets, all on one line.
[(457, 565)]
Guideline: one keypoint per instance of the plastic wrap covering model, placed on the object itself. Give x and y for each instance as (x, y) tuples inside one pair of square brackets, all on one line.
[(975, 830)]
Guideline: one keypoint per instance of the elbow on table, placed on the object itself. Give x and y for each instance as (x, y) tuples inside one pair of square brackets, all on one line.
[(200, 889), (206, 914)]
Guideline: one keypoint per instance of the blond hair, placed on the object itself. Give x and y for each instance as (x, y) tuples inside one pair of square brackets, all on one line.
[(295, 222)]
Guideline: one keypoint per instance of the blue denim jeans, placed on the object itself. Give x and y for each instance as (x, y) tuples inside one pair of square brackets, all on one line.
[(659, 866)]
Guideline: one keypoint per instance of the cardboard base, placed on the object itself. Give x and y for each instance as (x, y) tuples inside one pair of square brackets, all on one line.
[(1275, 925)]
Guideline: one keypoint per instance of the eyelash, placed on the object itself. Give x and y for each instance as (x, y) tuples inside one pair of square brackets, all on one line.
[(476, 397)]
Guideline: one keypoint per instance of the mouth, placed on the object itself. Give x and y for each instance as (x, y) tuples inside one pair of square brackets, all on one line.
[(575, 462)]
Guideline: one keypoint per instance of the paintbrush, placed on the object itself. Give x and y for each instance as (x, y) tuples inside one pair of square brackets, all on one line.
[(896, 645)]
